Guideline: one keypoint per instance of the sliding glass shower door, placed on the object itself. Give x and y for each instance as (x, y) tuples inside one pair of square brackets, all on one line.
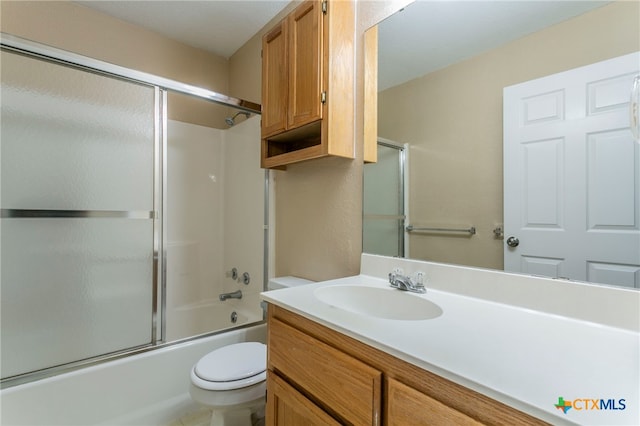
[(384, 202), (79, 229)]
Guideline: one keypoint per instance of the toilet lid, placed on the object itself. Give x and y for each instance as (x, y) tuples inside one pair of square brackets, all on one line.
[(233, 362)]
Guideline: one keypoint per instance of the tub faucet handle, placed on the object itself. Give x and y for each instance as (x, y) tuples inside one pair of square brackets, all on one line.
[(233, 273)]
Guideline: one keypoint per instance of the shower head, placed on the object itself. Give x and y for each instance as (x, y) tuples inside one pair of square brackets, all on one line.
[(231, 120)]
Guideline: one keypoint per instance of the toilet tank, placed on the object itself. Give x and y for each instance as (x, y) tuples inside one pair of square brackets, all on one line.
[(285, 282)]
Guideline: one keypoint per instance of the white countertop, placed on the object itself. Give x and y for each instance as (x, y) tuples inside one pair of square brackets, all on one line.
[(522, 357)]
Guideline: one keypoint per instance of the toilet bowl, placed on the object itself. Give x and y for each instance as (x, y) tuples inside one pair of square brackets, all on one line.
[(232, 379)]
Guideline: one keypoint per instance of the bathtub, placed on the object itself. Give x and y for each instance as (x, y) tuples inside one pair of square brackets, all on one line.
[(208, 315), (151, 388)]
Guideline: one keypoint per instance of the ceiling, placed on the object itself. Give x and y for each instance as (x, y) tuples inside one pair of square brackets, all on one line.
[(217, 26), (430, 35), (427, 35)]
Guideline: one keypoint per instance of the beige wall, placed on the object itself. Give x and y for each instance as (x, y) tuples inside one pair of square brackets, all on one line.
[(78, 29), (453, 120)]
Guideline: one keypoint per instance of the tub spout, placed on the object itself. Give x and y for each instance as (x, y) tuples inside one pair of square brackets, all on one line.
[(234, 295)]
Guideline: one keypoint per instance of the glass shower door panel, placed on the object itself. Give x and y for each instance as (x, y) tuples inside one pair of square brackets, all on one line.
[(383, 204), (72, 139), (77, 197), (73, 289), (381, 236)]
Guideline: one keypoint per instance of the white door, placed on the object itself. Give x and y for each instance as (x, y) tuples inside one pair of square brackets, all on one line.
[(572, 175)]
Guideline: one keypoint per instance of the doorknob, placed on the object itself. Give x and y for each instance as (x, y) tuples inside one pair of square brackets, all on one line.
[(513, 242)]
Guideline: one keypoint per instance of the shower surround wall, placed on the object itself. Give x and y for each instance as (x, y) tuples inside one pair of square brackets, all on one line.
[(215, 199)]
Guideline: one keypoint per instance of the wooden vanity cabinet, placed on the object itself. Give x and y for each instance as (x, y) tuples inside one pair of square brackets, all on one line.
[(317, 375), (308, 84)]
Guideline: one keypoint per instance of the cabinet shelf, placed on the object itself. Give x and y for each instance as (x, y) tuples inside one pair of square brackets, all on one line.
[(300, 144)]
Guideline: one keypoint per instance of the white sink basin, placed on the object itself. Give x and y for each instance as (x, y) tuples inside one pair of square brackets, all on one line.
[(387, 303)]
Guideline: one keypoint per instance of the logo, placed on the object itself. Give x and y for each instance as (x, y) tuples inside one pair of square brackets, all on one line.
[(563, 405), (581, 404)]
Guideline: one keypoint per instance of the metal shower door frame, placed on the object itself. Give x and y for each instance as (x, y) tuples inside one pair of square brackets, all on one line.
[(161, 87)]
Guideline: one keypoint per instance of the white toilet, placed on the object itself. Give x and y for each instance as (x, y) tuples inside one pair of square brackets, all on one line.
[(232, 379)]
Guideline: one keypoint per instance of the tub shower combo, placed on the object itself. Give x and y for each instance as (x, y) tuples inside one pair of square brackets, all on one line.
[(121, 227)]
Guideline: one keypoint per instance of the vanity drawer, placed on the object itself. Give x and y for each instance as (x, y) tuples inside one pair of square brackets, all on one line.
[(407, 406), (286, 406), (345, 387)]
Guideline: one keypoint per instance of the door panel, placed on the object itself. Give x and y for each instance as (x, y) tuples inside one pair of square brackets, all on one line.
[(543, 174), (77, 229), (305, 50), (275, 74)]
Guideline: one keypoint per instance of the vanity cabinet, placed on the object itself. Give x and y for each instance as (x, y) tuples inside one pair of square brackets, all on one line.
[(317, 376), (308, 84)]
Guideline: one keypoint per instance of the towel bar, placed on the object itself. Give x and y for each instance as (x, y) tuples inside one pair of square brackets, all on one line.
[(471, 230)]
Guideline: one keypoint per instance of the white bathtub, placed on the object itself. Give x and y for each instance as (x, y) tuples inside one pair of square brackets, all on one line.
[(147, 389)]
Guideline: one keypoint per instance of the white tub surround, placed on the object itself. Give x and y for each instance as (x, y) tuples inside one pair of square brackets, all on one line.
[(524, 341)]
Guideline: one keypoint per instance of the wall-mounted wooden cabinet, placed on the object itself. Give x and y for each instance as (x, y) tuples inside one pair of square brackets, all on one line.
[(317, 376), (308, 84)]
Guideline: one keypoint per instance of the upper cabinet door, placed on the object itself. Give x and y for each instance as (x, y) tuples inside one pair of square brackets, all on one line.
[(305, 64), (275, 72)]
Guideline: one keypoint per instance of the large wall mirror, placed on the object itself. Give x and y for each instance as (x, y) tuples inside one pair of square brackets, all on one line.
[(443, 67)]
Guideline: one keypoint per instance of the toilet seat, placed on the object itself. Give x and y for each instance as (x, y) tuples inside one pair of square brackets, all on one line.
[(231, 367)]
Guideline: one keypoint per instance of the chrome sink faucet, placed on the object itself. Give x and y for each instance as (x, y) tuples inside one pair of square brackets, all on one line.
[(398, 280), (235, 295)]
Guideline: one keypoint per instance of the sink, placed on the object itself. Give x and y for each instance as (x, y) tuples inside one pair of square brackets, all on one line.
[(378, 302)]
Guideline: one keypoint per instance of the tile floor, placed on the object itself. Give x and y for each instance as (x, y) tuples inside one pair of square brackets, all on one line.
[(199, 417), (202, 417)]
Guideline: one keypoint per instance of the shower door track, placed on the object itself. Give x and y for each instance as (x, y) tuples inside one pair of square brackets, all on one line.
[(18, 45)]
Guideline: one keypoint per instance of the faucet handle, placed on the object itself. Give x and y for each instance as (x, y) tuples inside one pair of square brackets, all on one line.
[(419, 282), (393, 274)]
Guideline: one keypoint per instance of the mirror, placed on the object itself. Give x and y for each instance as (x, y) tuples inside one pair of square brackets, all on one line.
[(442, 68)]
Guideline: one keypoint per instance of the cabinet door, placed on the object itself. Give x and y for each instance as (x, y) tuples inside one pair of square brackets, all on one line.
[(305, 64), (275, 71), (407, 406), (288, 407)]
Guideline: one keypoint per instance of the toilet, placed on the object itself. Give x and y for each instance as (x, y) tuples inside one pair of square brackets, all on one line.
[(232, 379)]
